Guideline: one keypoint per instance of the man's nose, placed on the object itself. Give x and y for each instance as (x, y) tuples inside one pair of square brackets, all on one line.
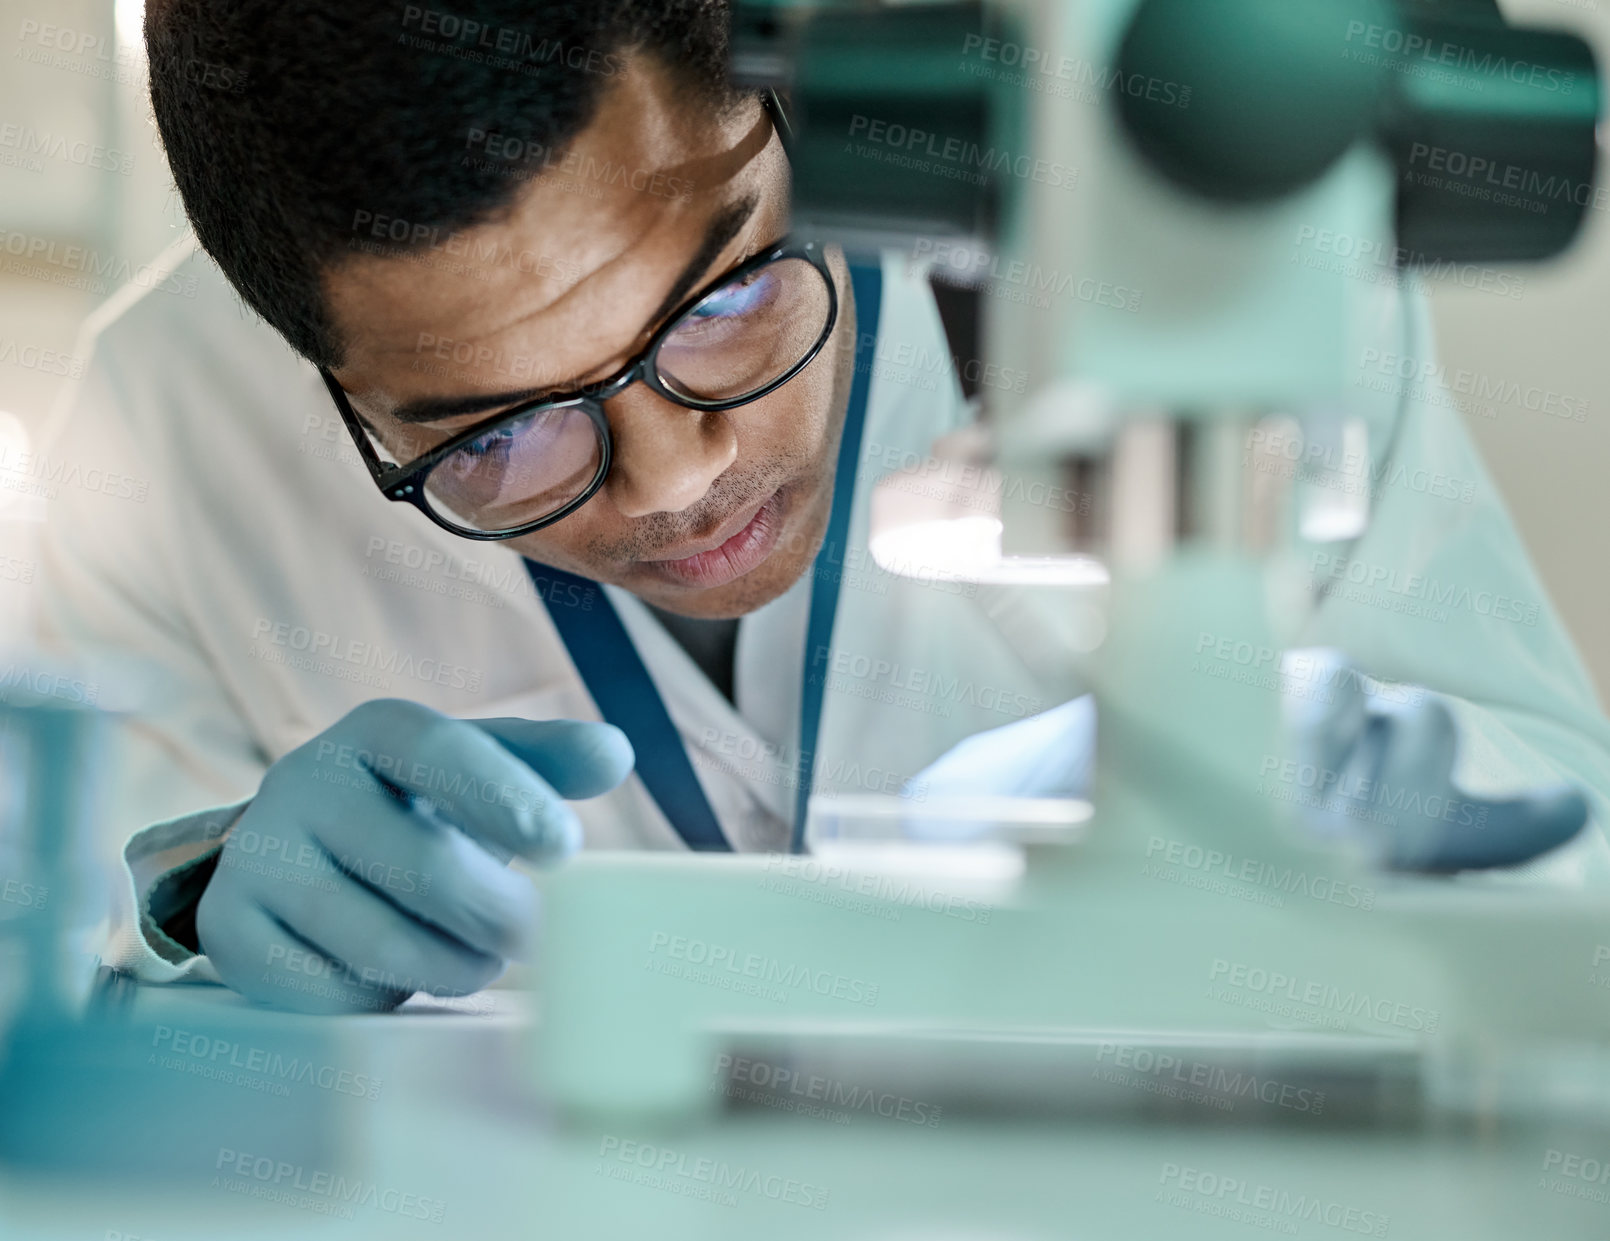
[(666, 456)]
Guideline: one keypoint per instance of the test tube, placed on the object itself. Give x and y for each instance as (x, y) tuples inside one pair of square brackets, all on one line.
[(50, 751)]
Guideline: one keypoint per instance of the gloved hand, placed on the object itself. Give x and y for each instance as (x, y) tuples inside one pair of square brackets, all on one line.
[(1046, 755), (371, 863), (1375, 763)]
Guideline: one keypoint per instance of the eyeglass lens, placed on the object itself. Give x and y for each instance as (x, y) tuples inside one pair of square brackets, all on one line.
[(745, 335)]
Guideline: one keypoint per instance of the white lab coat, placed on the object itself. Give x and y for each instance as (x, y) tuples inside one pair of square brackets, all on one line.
[(261, 538)]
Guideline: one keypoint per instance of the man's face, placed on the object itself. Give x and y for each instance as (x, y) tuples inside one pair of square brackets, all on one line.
[(703, 514)]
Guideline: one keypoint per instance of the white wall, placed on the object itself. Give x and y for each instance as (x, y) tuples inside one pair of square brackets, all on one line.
[(1552, 471), (1555, 341), (80, 174)]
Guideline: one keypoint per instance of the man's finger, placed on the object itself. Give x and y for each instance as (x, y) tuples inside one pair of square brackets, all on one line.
[(432, 871), (1491, 833), (256, 956), (462, 771), (578, 758), (380, 946)]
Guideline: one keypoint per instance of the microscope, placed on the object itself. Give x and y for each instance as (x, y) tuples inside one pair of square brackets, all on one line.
[(1232, 193)]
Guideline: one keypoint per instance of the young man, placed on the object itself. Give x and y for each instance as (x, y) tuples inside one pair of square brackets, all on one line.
[(539, 257)]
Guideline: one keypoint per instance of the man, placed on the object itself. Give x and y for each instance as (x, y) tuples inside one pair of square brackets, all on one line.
[(464, 223)]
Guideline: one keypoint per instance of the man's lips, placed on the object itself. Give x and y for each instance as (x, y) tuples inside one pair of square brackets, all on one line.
[(738, 546), (728, 529)]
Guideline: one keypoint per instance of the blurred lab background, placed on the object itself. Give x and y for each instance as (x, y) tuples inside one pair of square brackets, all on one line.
[(84, 190)]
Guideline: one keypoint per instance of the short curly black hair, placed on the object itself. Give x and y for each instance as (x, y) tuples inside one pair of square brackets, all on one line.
[(284, 120)]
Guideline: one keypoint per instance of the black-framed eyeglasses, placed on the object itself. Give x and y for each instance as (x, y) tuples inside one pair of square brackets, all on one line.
[(742, 336)]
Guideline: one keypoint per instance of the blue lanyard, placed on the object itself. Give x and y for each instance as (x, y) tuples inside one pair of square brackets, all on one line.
[(619, 682)]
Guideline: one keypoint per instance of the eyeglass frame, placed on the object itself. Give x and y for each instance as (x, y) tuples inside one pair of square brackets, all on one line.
[(406, 483)]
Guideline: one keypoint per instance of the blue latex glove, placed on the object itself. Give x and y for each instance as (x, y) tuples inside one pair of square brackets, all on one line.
[(1046, 755), (1376, 762), (371, 863)]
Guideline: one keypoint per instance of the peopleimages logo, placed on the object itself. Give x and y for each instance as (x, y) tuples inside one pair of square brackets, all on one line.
[(699, 961), (1090, 80), (38, 473), (749, 758), (1018, 279), (1331, 789), (31, 143), (1345, 1002), (325, 652), (756, 1081), (38, 256), (1427, 379), (1264, 1206), (47, 684), (955, 158), (1199, 1080), (1282, 880), (260, 1176), (1505, 184), (1423, 588), (496, 151), (505, 47), (922, 689), (1575, 1176), (204, 1055), (968, 485), (1435, 54), (24, 893), (679, 1172), (807, 873), (1378, 262), (46, 361)]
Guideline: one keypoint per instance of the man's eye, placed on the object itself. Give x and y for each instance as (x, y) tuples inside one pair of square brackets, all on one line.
[(487, 443), (496, 439), (735, 299)]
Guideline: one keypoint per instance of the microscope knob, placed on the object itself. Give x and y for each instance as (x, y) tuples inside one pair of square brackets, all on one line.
[(1491, 127), (1275, 97), (1493, 132)]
